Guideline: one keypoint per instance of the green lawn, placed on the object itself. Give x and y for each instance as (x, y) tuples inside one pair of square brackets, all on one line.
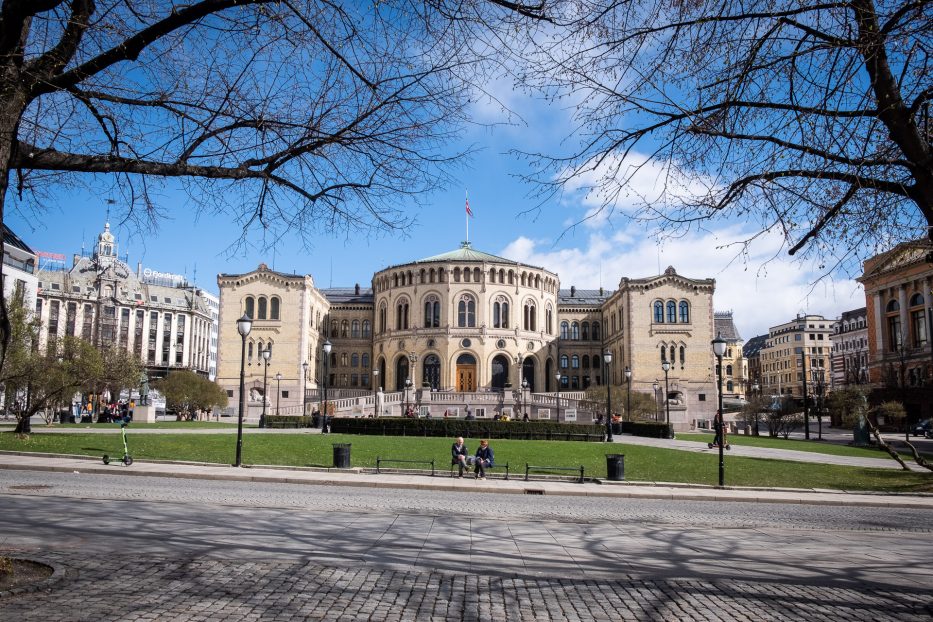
[(820, 447), (641, 463)]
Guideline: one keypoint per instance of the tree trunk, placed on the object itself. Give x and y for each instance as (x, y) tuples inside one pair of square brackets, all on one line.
[(884, 445)]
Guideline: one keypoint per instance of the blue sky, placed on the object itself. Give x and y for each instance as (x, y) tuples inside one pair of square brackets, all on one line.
[(764, 288)]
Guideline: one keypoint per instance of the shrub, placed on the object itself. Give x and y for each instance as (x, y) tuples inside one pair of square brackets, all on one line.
[(530, 430)]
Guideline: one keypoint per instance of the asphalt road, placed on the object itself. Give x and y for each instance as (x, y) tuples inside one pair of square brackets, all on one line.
[(146, 547)]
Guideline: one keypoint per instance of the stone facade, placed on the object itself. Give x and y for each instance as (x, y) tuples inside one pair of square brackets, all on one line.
[(805, 340), (735, 378), (468, 321), (850, 349)]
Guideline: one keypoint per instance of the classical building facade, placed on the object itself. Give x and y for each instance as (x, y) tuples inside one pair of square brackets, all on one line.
[(899, 309), (850, 349), (465, 322), (100, 299), (797, 355)]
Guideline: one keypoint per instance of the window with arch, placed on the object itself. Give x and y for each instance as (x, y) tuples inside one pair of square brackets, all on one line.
[(565, 330), (673, 352), (658, 312), (918, 321), (575, 331), (671, 312), (432, 312), (249, 307), (466, 312), (355, 329), (476, 275), (586, 361), (564, 361), (401, 315), (729, 370), (382, 318), (511, 277), (343, 359), (529, 316), (683, 355), (500, 312), (492, 275), (261, 305), (249, 350), (274, 304), (895, 336), (596, 335), (456, 275), (663, 353), (466, 275), (364, 360), (345, 329), (334, 329), (548, 320), (354, 360), (575, 362), (684, 312), (729, 386), (585, 331), (367, 329)]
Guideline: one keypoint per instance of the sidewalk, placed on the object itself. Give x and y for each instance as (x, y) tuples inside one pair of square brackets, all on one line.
[(442, 482)]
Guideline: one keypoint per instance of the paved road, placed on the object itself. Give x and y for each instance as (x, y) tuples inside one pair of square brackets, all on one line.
[(147, 548)]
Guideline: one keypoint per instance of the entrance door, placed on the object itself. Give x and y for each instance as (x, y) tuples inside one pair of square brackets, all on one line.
[(466, 373)]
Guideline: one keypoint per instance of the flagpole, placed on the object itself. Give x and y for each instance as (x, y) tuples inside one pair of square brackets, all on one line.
[(466, 215)]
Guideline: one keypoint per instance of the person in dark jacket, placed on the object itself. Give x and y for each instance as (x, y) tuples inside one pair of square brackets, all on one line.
[(458, 455), (484, 459)]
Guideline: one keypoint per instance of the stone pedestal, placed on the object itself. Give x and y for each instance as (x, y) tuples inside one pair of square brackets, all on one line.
[(144, 414)]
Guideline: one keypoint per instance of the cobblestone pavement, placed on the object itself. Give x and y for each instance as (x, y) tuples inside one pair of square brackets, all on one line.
[(146, 548), (126, 588)]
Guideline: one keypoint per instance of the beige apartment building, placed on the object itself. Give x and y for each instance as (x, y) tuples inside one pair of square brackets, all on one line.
[(735, 367), (850, 349), (470, 322), (797, 354)]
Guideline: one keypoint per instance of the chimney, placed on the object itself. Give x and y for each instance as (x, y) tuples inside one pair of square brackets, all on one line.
[(573, 291), (357, 289), (600, 291)]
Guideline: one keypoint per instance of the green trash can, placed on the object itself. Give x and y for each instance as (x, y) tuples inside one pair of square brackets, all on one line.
[(342, 455), (615, 467)]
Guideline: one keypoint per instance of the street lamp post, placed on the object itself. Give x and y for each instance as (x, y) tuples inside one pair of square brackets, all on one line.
[(265, 356), (278, 392), (657, 406), (819, 405), (628, 395), (327, 348), (524, 403), (375, 381), (412, 358), (243, 326), (756, 392), (557, 377), (719, 349), (407, 389), (607, 357), (666, 366)]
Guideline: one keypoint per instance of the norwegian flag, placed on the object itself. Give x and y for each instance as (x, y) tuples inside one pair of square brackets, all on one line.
[(468, 210)]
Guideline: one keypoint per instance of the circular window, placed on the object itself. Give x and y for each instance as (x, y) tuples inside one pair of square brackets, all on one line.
[(466, 343), (430, 343), (500, 344)]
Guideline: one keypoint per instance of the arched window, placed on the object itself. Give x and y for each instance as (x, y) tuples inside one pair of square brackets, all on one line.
[(530, 316), (343, 359), (354, 360), (345, 329), (673, 352), (671, 311), (456, 275), (401, 315), (893, 305), (466, 312), (596, 336), (575, 331), (916, 299), (499, 372), (367, 329), (683, 353), (333, 329), (249, 350), (466, 275), (364, 360), (729, 386), (684, 312), (431, 371), (585, 331), (729, 371), (382, 318), (274, 304), (575, 361), (586, 361), (548, 319), (492, 275), (500, 312), (565, 330), (355, 329), (261, 311), (476, 275), (249, 307), (564, 361), (432, 312), (658, 312), (663, 353)]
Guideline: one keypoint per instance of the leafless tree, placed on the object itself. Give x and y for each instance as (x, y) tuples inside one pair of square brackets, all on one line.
[(811, 118), (306, 116)]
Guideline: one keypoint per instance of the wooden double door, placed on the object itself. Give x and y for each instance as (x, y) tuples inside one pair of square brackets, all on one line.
[(466, 377)]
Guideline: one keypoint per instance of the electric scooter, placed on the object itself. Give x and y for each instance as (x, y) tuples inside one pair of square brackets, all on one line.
[(127, 459)]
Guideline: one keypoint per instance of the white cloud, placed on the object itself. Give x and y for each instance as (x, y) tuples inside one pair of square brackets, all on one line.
[(761, 291)]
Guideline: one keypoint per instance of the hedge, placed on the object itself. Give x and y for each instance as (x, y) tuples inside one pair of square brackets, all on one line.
[(528, 430), (650, 429)]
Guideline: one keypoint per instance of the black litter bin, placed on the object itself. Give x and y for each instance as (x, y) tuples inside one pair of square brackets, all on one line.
[(342, 455), (615, 467), (617, 428)]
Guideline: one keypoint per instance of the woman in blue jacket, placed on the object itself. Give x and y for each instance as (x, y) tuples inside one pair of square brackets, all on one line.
[(484, 459)]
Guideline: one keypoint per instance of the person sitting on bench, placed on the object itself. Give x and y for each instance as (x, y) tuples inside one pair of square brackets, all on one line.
[(458, 455), (484, 459)]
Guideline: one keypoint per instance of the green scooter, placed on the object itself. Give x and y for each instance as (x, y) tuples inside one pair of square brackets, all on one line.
[(127, 458)]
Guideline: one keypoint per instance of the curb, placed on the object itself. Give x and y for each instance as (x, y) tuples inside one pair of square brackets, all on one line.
[(60, 574)]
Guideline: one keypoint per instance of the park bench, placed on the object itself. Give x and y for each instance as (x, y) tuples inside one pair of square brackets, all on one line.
[(380, 461), (494, 466), (530, 467)]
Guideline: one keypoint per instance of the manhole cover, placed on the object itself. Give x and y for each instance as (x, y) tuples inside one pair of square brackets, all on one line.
[(30, 487)]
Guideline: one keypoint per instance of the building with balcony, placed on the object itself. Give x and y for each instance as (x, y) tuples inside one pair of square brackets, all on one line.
[(796, 357), (850, 349)]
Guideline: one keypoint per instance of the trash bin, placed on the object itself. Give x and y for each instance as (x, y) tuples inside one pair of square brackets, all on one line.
[(615, 467), (342, 455), (617, 427)]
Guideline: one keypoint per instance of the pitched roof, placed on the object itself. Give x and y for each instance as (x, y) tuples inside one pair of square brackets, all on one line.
[(725, 327), (754, 345), (574, 296), (11, 239)]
